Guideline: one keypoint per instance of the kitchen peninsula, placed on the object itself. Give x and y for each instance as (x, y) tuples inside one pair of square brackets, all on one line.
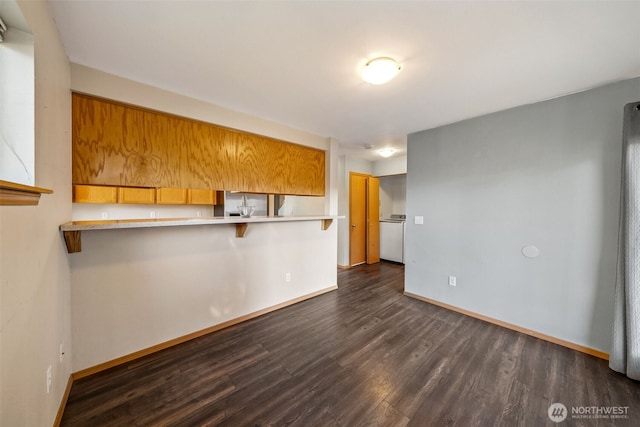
[(141, 284)]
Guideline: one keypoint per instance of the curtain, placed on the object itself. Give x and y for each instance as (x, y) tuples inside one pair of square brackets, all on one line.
[(625, 349)]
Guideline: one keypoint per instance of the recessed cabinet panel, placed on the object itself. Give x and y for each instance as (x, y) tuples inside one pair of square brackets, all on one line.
[(171, 196), (198, 154), (97, 138), (133, 195), (201, 197), (94, 194)]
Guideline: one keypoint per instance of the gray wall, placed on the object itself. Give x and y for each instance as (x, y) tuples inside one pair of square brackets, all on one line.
[(545, 174)]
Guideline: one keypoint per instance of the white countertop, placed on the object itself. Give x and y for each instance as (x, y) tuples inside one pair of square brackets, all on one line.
[(108, 224)]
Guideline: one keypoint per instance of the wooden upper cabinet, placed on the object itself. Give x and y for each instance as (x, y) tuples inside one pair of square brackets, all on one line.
[(121, 145)]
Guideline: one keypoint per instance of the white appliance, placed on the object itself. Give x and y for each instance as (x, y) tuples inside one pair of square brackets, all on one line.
[(392, 238)]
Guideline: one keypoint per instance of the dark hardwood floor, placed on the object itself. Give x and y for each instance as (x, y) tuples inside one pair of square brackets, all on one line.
[(364, 355)]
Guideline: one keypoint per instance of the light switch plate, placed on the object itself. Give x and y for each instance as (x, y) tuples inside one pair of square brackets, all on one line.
[(418, 219)]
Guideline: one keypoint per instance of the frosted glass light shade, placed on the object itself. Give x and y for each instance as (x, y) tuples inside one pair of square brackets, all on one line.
[(380, 70), (386, 152)]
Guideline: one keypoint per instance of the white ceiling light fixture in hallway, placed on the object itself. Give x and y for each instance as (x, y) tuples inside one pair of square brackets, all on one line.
[(380, 70)]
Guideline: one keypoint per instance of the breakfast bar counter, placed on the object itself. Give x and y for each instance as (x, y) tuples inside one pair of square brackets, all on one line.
[(72, 230)]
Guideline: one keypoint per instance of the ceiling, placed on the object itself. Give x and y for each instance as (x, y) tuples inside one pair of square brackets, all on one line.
[(12, 16), (296, 62)]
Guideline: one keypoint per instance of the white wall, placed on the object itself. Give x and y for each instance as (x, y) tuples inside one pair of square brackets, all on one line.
[(132, 289), (17, 127), (34, 269), (333, 178), (393, 195), (392, 166), (302, 205), (393, 184), (546, 174)]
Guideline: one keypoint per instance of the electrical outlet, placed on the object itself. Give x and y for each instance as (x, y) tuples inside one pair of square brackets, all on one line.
[(198, 214), (104, 215), (152, 214), (452, 280), (49, 377), (287, 277)]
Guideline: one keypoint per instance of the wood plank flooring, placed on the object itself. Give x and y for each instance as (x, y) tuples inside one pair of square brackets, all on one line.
[(364, 355)]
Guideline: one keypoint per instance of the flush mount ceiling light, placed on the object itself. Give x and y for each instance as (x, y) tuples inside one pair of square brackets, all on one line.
[(386, 152), (380, 70)]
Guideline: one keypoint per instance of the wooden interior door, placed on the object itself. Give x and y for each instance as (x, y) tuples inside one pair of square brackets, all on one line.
[(373, 220), (357, 218)]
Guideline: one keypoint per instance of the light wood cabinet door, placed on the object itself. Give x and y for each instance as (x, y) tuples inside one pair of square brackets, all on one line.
[(97, 138), (201, 197), (94, 194), (133, 195), (171, 196), (199, 150)]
